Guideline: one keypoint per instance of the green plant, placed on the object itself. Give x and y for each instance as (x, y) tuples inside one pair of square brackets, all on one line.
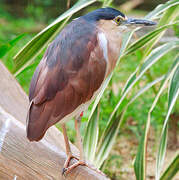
[(149, 58), (98, 144), (5, 47)]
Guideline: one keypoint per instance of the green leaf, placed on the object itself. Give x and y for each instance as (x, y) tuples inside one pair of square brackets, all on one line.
[(172, 169), (41, 40), (91, 136), (126, 38), (174, 86), (130, 80), (173, 94), (154, 56), (161, 153), (139, 165), (161, 8), (168, 17), (144, 40), (113, 126), (157, 53), (139, 93), (106, 141), (106, 3), (140, 162), (145, 88), (7, 47)]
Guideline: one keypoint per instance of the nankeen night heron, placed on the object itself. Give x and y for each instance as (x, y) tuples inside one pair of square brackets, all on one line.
[(72, 71)]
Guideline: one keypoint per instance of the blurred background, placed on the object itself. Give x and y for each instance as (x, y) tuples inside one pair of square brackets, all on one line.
[(28, 17)]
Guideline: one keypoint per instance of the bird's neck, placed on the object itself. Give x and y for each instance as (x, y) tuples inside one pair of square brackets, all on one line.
[(114, 38)]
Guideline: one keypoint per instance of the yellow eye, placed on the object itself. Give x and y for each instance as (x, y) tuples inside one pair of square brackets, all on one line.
[(118, 20)]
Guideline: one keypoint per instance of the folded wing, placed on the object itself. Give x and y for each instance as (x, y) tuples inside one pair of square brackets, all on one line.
[(71, 70)]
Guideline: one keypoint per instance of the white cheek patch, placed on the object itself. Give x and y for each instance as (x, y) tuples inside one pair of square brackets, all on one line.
[(103, 44)]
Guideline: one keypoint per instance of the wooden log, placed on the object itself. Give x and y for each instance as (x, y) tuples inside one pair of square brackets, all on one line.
[(21, 159)]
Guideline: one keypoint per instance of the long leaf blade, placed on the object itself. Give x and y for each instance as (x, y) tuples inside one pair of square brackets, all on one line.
[(173, 94), (140, 161), (114, 126), (6, 47), (106, 141), (161, 8), (91, 136), (154, 56), (144, 40), (172, 169), (35, 46), (126, 39), (139, 165), (145, 88)]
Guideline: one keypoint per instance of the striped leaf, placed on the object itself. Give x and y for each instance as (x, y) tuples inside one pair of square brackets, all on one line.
[(173, 94), (139, 93), (145, 88), (161, 152), (140, 161), (154, 56), (91, 136), (106, 141), (144, 40), (25, 56), (161, 8), (4, 48), (102, 151), (168, 17), (172, 169)]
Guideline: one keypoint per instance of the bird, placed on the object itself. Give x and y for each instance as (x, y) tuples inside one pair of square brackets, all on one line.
[(73, 71)]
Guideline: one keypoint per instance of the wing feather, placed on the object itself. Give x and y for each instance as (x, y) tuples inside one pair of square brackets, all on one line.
[(70, 72)]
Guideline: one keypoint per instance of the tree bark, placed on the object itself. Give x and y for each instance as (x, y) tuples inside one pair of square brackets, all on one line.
[(24, 160)]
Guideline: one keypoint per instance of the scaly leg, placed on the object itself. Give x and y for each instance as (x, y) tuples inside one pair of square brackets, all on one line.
[(79, 139), (80, 146), (81, 160), (68, 149)]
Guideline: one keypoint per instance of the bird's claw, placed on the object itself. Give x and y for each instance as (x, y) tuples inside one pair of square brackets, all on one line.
[(63, 171), (66, 170)]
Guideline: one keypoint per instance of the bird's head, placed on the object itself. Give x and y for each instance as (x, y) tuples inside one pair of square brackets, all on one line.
[(114, 17)]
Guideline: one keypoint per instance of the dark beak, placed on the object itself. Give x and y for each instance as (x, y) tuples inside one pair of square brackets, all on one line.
[(131, 21)]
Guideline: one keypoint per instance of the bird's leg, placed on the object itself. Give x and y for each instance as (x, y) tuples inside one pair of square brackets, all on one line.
[(67, 146), (80, 146), (81, 160), (79, 139)]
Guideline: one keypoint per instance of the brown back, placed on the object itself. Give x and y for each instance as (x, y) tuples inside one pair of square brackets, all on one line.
[(72, 69)]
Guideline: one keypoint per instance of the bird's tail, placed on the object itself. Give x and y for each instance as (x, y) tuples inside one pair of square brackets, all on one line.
[(37, 121)]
